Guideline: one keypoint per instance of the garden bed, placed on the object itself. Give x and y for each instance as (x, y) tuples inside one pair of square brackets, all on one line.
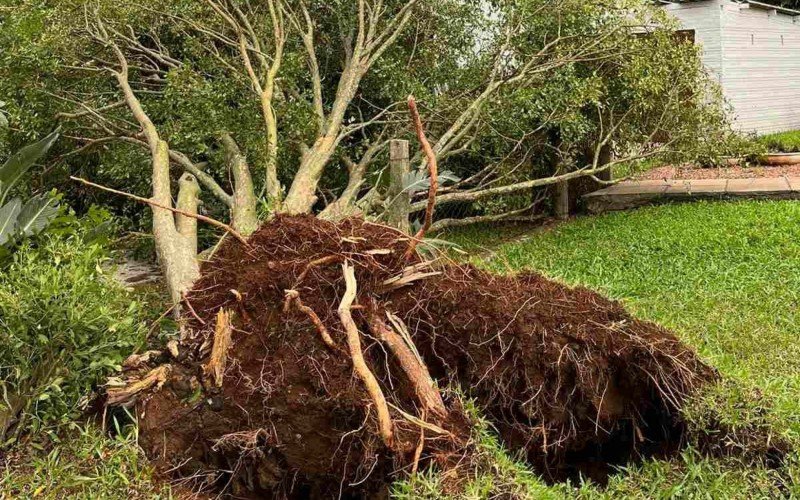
[(690, 172)]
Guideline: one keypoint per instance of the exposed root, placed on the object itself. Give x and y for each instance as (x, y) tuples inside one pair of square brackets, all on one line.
[(219, 352), (328, 259), (360, 366), (416, 371), (433, 173), (293, 297), (191, 309), (418, 450), (126, 395)]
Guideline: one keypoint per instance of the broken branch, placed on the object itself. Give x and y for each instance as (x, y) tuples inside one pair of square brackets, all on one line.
[(433, 172), (121, 396), (199, 217), (219, 352)]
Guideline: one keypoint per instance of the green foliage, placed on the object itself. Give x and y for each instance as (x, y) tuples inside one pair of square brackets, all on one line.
[(18, 219), (450, 52), (725, 277), (64, 326), (783, 142), (83, 464)]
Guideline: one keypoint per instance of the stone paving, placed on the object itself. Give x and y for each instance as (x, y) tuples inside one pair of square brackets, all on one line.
[(632, 194)]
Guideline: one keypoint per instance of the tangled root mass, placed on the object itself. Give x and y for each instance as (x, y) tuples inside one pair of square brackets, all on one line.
[(563, 374)]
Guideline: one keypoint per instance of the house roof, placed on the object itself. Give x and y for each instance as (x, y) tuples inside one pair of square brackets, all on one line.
[(751, 3)]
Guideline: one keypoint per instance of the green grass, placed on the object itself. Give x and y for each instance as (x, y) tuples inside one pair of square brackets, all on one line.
[(726, 278), (85, 464), (783, 142)]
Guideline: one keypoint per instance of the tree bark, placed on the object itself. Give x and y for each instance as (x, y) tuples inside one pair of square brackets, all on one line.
[(188, 193), (244, 216), (174, 249)]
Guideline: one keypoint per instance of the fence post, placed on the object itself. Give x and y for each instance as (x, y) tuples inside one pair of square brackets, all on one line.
[(399, 201), (561, 200)]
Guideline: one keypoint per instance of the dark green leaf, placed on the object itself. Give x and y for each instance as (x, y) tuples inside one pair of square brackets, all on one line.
[(37, 214), (9, 214), (24, 159)]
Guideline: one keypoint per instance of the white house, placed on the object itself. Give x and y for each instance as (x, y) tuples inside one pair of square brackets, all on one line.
[(753, 49)]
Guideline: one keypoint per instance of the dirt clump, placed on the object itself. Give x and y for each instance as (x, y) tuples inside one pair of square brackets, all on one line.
[(313, 363)]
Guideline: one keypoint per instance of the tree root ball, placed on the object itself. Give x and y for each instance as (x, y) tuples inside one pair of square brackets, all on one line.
[(262, 398)]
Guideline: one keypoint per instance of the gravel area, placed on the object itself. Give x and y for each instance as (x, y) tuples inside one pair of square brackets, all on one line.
[(691, 172)]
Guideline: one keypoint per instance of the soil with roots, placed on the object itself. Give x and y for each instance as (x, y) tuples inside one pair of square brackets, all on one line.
[(275, 408)]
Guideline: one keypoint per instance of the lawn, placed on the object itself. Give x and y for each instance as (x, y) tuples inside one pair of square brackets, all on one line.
[(782, 142), (726, 278)]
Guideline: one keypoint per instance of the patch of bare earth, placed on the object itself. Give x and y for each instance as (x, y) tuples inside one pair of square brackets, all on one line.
[(734, 172)]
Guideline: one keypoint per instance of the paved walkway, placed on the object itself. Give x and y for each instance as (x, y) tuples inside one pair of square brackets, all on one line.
[(631, 194)]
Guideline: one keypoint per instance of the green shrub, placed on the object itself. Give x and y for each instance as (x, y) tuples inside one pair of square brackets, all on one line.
[(64, 325)]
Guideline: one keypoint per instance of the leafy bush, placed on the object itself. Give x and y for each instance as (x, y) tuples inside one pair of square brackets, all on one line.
[(64, 325)]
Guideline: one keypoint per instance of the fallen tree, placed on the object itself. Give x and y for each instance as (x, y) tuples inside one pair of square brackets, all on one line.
[(314, 361), (315, 351)]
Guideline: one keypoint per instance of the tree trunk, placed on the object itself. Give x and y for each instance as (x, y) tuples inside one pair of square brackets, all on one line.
[(174, 249), (273, 185), (344, 205), (188, 191), (606, 156), (302, 194), (244, 216)]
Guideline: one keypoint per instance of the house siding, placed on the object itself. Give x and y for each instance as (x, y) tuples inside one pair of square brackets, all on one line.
[(705, 19), (755, 55)]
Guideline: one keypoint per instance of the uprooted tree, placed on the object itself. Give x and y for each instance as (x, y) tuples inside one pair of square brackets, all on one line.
[(285, 109), (314, 360)]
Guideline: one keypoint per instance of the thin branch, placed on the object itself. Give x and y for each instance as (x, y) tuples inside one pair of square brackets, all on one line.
[(199, 217)]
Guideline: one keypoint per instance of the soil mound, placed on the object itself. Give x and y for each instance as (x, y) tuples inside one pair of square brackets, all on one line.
[(269, 390)]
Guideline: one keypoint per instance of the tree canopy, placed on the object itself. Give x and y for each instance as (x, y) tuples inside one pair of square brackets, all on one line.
[(287, 106)]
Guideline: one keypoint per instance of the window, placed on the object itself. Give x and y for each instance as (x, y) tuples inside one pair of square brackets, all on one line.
[(685, 36)]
